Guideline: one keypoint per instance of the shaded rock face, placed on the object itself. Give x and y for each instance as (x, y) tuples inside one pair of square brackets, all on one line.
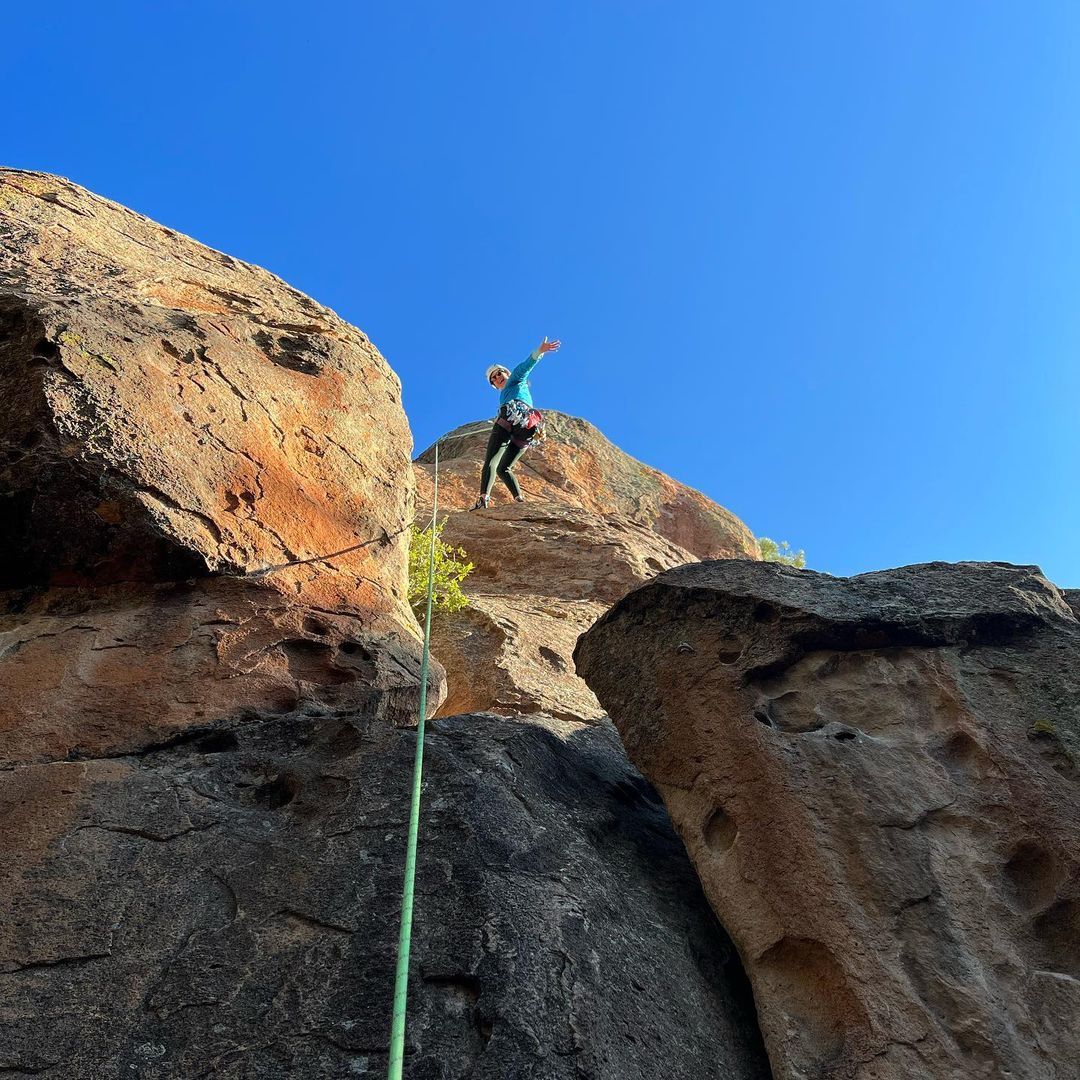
[(205, 486), (596, 524), (877, 780), (226, 906)]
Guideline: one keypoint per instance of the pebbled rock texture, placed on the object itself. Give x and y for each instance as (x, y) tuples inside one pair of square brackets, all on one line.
[(596, 524), (205, 487), (226, 906), (877, 779)]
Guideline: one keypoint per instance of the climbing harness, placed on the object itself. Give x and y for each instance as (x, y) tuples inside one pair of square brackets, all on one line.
[(524, 423), (401, 979)]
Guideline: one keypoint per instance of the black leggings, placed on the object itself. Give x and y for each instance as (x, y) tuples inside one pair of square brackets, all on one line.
[(500, 449)]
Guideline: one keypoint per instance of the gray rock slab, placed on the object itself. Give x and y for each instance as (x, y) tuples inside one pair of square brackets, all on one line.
[(227, 906)]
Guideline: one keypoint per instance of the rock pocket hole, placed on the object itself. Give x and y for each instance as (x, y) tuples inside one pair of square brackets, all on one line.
[(277, 792), (313, 662), (1031, 875), (845, 736), (811, 989), (553, 658), (218, 742), (720, 831), (47, 350), (1058, 931), (964, 755), (761, 715), (765, 613)]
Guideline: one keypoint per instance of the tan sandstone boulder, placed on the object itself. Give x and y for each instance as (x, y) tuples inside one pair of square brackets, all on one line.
[(595, 524), (878, 780), (205, 484)]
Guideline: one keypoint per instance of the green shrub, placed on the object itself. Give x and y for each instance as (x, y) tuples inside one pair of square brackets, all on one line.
[(451, 569), (771, 551)]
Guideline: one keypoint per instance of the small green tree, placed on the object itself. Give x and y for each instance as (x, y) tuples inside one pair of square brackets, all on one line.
[(451, 569), (771, 551)]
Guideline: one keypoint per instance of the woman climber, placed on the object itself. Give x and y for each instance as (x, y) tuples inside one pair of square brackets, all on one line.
[(515, 426)]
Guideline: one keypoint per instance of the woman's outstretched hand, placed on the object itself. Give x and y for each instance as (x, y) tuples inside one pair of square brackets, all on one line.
[(546, 346)]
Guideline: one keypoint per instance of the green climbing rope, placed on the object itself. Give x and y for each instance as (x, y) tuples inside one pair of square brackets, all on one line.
[(401, 980)]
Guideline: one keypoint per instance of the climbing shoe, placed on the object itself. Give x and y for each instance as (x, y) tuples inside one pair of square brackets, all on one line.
[(519, 498), (481, 503)]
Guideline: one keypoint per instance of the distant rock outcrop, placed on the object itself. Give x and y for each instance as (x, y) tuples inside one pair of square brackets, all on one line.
[(596, 524), (877, 779)]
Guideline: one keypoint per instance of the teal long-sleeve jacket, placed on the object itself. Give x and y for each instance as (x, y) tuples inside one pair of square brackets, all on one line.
[(517, 386)]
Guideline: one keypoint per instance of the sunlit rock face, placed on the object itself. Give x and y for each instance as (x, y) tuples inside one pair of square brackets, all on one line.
[(205, 487), (207, 675), (595, 524), (877, 779)]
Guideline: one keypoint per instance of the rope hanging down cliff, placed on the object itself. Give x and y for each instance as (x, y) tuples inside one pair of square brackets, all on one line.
[(401, 979)]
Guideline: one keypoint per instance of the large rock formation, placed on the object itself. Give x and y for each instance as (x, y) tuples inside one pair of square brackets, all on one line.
[(596, 523), (174, 416), (205, 663), (877, 780)]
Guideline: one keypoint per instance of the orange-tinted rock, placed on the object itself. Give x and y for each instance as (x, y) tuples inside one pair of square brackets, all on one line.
[(877, 779), (92, 672), (174, 416), (577, 466), (596, 524)]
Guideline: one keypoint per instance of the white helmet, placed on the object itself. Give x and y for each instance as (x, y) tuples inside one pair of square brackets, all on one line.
[(497, 367)]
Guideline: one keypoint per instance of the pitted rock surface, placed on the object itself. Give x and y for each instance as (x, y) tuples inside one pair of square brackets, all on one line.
[(227, 907), (877, 779)]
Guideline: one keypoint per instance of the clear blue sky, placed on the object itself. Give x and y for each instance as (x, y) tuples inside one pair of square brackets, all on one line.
[(821, 261)]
